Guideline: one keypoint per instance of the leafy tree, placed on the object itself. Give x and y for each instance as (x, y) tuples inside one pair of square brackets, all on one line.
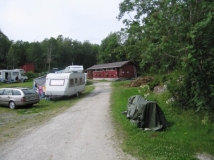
[(17, 54), (34, 55), (49, 47), (65, 52), (109, 49), (4, 49), (78, 53), (170, 35)]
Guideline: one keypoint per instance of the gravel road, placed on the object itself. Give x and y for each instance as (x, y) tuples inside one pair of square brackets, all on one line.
[(83, 132)]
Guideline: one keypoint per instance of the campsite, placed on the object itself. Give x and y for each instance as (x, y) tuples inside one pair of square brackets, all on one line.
[(182, 134), (160, 101)]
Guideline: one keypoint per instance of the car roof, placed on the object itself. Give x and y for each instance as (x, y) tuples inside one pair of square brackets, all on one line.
[(16, 88)]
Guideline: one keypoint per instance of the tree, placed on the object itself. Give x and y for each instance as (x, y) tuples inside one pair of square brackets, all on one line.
[(49, 47), (109, 49), (88, 56), (34, 55), (17, 54), (175, 34), (4, 49), (65, 52)]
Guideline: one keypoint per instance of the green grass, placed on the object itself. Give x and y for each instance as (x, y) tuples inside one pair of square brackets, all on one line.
[(24, 84), (189, 133), (46, 105)]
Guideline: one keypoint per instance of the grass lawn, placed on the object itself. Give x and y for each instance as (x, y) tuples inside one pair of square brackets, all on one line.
[(189, 134)]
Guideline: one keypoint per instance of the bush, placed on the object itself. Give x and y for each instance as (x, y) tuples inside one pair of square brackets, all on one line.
[(31, 75), (159, 79)]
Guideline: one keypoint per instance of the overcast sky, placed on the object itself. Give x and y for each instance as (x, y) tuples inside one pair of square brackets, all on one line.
[(35, 20)]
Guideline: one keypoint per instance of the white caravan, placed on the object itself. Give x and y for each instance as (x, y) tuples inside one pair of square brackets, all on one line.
[(64, 84), (10, 75), (73, 68)]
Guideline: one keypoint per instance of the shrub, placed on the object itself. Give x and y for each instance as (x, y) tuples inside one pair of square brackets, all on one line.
[(159, 79), (31, 75)]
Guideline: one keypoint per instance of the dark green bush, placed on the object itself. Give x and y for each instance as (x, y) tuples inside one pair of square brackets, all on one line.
[(158, 79), (31, 75)]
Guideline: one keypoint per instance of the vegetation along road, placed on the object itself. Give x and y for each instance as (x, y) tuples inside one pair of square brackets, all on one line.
[(83, 131)]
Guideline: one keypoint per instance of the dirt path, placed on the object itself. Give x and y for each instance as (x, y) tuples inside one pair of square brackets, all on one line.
[(83, 132)]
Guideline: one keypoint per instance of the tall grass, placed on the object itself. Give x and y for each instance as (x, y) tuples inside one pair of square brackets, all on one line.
[(189, 133)]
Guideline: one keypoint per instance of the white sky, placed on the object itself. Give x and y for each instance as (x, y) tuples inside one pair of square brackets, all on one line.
[(35, 20)]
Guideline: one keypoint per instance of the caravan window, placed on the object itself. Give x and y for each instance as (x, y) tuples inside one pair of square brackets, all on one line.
[(71, 82), (75, 80), (15, 73), (81, 81), (57, 82)]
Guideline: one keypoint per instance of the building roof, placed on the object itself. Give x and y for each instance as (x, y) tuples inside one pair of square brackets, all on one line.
[(110, 65)]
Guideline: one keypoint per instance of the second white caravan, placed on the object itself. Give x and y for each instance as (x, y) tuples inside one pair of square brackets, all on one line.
[(64, 84)]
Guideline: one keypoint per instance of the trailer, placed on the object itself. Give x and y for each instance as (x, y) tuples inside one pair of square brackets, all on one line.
[(69, 69), (64, 84), (11, 76)]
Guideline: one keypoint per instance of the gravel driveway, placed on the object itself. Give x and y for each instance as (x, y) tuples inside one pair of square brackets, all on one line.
[(83, 132)]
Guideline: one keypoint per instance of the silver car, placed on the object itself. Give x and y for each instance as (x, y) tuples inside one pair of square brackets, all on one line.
[(13, 97)]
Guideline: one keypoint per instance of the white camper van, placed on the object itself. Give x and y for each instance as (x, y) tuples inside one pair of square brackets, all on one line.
[(23, 76), (64, 84), (10, 75)]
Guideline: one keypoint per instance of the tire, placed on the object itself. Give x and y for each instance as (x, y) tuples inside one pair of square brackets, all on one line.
[(12, 105)]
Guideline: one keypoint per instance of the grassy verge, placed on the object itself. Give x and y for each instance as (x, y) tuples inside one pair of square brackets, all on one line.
[(189, 133)]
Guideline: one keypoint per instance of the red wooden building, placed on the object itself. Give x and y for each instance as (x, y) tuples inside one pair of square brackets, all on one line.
[(113, 71), (28, 67)]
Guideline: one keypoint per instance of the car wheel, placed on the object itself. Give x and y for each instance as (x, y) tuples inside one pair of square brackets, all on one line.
[(12, 105)]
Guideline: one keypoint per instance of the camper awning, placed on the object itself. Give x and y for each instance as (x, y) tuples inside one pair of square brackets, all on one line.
[(40, 80)]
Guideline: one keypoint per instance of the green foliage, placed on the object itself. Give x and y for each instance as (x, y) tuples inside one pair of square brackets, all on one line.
[(31, 75), (180, 141), (171, 35), (50, 53), (4, 48), (109, 49), (158, 80), (35, 56), (17, 54), (89, 82)]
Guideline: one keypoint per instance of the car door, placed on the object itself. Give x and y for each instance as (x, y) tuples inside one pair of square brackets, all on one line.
[(1, 93), (6, 96)]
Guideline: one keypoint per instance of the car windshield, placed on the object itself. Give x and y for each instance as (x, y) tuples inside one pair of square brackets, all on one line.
[(29, 91)]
